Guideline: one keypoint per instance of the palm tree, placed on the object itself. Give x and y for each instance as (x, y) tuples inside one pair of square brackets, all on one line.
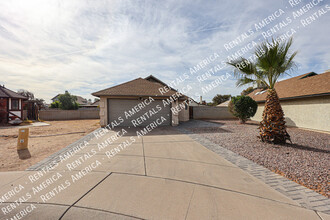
[(273, 60)]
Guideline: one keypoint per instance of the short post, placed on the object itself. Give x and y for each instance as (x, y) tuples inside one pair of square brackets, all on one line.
[(22, 144)]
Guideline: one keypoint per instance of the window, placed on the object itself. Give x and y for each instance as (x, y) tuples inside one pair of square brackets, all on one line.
[(14, 104)]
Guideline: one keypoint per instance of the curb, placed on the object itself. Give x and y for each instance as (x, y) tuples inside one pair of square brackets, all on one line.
[(48, 161)]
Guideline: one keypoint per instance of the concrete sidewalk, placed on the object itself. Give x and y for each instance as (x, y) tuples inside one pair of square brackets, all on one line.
[(163, 175)]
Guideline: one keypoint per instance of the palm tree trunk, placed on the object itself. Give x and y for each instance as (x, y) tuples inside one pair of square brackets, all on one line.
[(272, 127)]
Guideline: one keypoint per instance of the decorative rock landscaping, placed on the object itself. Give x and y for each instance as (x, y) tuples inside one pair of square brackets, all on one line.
[(306, 161)]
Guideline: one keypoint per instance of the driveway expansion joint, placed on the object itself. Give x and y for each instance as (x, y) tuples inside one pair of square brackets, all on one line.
[(193, 161), (157, 142), (302, 195), (192, 195), (102, 210), (40, 203), (84, 195), (144, 158), (318, 215), (209, 186)]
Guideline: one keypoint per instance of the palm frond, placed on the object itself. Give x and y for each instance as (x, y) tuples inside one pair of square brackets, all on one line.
[(273, 60), (244, 81), (243, 66)]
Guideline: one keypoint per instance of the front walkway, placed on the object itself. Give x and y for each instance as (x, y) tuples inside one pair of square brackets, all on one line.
[(163, 175)]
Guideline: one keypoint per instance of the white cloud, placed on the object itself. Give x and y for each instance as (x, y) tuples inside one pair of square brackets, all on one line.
[(84, 46)]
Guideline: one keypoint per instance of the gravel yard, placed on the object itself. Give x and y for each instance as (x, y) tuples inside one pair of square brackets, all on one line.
[(43, 141), (305, 161)]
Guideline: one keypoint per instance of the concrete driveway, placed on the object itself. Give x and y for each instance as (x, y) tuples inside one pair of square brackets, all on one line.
[(163, 175)]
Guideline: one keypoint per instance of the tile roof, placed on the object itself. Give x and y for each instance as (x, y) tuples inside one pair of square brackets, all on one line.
[(81, 100), (89, 104), (225, 104), (136, 87), (309, 84), (7, 93), (96, 103)]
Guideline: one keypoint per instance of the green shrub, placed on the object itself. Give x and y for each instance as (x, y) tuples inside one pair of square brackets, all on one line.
[(68, 101), (218, 99), (55, 104), (243, 107), (76, 105)]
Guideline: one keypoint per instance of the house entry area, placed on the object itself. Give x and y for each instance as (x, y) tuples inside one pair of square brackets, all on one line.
[(137, 113)]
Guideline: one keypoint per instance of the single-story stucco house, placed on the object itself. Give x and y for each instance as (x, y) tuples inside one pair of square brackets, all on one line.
[(80, 100), (305, 100), (11, 105), (224, 104), (141, 102)]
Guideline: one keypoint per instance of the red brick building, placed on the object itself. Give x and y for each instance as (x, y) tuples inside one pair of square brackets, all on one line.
[(11, 105)]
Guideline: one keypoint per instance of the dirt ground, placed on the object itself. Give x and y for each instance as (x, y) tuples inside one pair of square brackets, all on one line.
[(41, 147)]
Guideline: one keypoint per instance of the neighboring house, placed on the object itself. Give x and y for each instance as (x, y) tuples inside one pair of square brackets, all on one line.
[(80, 100), (90, 105), (193, 103), (305, 100), (11, 105), (123, 100), (225, 104), (97, 103)]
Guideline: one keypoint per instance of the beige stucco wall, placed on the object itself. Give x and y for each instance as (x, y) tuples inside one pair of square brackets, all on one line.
[(184, 113), (310, 113), (58, 114), (175, 114), (212, 112), (103, 111)]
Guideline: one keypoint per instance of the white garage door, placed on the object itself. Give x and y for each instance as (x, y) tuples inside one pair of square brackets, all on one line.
[(145, 115)]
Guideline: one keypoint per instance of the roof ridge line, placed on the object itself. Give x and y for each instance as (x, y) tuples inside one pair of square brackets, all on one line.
[(161, 82), (9, 96), (117, 85), (4, 91)]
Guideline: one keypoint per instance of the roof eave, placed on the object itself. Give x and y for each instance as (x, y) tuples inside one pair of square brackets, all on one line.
[(99, 95), (18, 96), (299, 97)]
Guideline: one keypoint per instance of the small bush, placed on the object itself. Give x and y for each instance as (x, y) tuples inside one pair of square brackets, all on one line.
[(55, 104), (68, 101), (243, 107)]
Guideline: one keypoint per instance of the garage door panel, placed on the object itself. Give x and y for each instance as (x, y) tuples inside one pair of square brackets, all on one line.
[(117, 108)]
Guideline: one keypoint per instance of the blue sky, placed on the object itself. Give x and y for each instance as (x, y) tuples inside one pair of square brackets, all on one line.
[(51, 46)]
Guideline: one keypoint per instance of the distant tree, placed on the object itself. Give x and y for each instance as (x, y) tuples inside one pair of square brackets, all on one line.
[(26, 93), (68, 101), (31, 97), (55, 104), (247, 91), (40, 103), (96, 99), (218, 99), (243, 107)]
